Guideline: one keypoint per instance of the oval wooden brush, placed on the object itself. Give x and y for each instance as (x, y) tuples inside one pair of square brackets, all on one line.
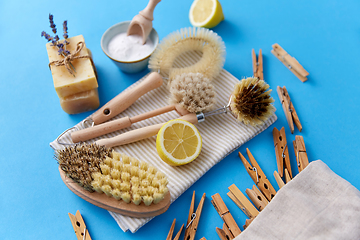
[(114, 181), (250, 102)]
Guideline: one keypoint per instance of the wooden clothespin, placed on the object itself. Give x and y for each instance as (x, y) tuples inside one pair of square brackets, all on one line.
[(278, 179), (287, 176), (258, 65), (242, 202), (79, 226), (230, 228), (193, 218), (169, 236), (247, 222), (289, 110), (257, 198), (281, 151), (300, 153), (258, 175), (290, 62)]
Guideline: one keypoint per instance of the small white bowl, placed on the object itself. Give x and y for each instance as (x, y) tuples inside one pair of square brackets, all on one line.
[(127, 66)]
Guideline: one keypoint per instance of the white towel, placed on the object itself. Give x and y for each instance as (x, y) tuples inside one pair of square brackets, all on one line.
[(316, 204), (221, 135)]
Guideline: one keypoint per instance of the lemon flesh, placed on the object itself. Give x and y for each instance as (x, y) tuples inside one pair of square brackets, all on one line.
[(206, 13), (178, 142)]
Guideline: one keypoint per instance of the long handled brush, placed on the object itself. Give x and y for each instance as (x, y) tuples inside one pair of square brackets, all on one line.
[(250, 102)]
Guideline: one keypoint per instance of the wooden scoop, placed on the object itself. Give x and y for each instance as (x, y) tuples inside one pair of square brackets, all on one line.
[(141, 24)]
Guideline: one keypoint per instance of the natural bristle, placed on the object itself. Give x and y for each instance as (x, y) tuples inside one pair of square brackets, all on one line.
[(185, 40), (251, 102), (193, 92), (80, 161), (117, 175)]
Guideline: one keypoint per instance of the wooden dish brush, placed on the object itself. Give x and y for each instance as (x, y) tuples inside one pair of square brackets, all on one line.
[(190, 93), (250, 102), (113, 181)]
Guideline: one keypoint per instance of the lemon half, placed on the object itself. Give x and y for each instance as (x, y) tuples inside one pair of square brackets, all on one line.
[(206, 13), (178, 142)]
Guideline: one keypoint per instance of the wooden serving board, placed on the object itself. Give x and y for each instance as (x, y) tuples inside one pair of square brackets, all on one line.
[(109, 203)]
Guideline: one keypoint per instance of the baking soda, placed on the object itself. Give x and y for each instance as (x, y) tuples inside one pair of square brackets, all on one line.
[(129, 48)]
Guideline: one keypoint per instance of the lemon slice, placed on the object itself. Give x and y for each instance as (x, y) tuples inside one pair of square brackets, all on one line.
[(178, 142), (206, 13)]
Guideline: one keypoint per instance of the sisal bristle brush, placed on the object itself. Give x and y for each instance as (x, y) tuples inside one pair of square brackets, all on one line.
[(250, 103), (114, 181), (193, 92), (203, 40), (190, 93)]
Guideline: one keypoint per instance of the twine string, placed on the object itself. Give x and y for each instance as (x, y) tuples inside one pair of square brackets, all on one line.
[(69, 58)]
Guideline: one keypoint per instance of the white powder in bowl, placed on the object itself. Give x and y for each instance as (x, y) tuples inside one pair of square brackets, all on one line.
[(129, 48)]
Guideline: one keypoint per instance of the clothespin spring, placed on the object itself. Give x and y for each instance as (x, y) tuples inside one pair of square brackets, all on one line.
[(283, 154), (193, 216), (84, 233), (283, 58), (257, 175)]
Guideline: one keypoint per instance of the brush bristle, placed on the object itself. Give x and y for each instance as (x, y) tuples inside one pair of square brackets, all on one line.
[(136, 183), (185, 40), (80, 161), (117, 175), (251, 102), (193, 92)]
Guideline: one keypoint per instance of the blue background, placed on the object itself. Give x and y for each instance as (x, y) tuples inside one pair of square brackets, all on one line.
[(324, 36)]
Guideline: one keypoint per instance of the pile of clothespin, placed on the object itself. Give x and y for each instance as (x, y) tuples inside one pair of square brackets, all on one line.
[(262, 192)]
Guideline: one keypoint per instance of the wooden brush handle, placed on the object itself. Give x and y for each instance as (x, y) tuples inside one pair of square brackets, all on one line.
[(141, 133), (148, 12), (125, 99), (115, 125), (101, 129)]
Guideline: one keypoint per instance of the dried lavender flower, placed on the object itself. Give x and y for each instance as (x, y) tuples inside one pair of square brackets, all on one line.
[(47, 36), (52, 24), (55, 40), (65, 29)]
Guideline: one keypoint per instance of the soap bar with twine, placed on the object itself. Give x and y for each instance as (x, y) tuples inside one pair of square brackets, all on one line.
[(65, 82), (73, 71)]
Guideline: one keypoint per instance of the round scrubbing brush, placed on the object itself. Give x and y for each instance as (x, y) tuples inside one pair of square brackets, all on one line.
[(189, 39), (193, 92), (251, 101)]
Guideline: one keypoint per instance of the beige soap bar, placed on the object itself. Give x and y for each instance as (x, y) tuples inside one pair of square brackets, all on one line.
[(80, 102), (66, 84)]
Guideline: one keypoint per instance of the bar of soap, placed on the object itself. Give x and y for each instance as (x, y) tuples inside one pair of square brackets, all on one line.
[(66, 84), (80, 102)]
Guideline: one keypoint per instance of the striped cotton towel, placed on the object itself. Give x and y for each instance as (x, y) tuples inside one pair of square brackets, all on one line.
[(221, 135)]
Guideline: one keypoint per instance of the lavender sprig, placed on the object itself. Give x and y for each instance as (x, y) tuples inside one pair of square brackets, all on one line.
[(65, 30), (55, 40), (52, 24)]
